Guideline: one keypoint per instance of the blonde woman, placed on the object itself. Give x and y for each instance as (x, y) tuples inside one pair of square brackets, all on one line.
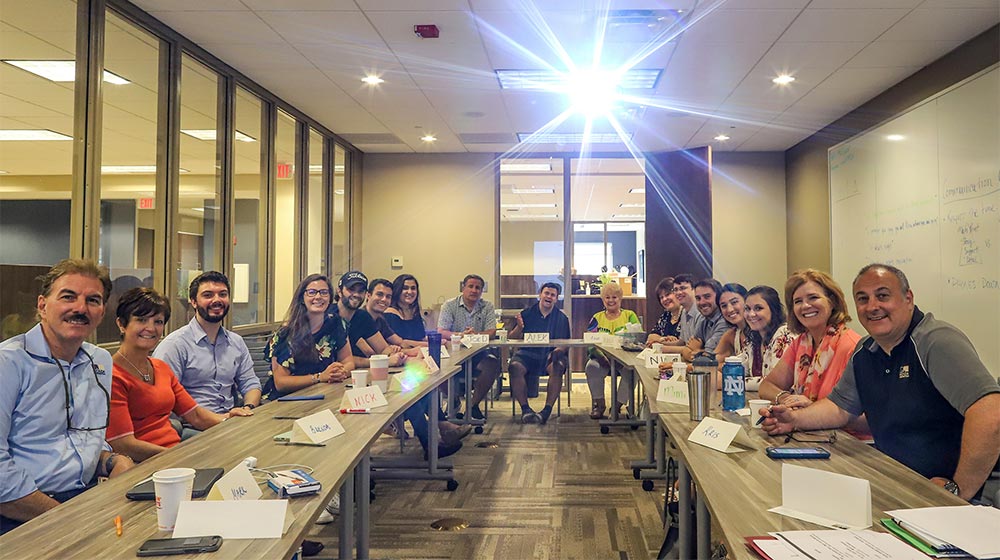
[(612, 320)]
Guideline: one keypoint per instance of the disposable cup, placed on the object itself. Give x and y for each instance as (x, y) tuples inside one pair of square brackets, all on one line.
[(680, 370), (378, 367), (171, 486), (755, 406), (502, 335), (382, 384), (456, 342), (359, 377), (657, 347)]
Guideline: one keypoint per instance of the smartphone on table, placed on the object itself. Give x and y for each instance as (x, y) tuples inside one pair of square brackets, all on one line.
[(797, 453), (185, 545)]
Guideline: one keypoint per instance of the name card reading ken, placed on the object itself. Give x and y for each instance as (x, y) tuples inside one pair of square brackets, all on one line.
[(316, 428), (653, 361), (718, 435), (364, 397), (237, 484), (536, 337), (470, 339), (671, 391), (593, 337)]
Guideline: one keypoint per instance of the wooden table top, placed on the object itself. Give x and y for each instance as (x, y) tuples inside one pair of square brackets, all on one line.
[(83, 527), (739, 488)]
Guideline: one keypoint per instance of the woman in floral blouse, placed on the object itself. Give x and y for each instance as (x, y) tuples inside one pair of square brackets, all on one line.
[(669, 324), (769, 336), (815, 360), (311, 346)]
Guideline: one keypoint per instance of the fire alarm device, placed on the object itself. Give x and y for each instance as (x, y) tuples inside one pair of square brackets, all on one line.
[(427, 31)]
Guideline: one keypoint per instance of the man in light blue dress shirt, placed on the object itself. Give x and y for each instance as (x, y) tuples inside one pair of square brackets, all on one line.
[(209, 360), (54, 398)]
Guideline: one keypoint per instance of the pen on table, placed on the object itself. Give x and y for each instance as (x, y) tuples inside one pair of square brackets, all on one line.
[(118, 525), (287, 417), (355, 410), (762, 417), (306, 443)]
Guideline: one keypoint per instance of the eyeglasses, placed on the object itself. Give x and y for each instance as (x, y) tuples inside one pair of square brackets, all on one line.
[(66, 389), (678, 289), (314, 293), (812, 437)]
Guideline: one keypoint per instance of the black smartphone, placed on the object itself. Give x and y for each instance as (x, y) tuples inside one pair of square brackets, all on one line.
[(189, 545), (797, 453)]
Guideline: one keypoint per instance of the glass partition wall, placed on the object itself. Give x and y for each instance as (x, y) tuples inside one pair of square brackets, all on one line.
[(174, 165)]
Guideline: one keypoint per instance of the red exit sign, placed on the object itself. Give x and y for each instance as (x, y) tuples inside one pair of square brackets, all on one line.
[(284, 170), (147, 203)]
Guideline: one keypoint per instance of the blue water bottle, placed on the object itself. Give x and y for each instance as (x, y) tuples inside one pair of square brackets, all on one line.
[(733, 390), (434, 346)]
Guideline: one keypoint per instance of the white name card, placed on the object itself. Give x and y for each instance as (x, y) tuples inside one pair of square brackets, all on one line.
[(431, 364), (653, 361), (641, 356), (470, 339), (237, 484), (829, 499), (671, 391), (316, 428), (718, 435), (536, 337), (444, 352), (365, 397), (593, 337)]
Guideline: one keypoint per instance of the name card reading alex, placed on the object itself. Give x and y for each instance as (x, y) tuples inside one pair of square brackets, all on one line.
[(671, 391), (536, 337), (237, 484), (470, 339), (317, 428), (653, 361), (365, 397), (719, 434)]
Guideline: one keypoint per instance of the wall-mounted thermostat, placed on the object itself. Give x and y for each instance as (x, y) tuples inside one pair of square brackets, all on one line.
[(397, 262)]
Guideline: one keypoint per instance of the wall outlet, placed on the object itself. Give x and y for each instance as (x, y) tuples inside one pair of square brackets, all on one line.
[(396, 262)]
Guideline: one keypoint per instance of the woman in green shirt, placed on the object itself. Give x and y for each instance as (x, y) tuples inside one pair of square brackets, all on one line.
[(612, 320)]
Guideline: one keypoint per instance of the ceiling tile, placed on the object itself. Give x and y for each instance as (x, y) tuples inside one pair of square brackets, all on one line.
[(220, 27), (303, 5), (413, 5), (739, 26), (841, 25), (190, 5), (322, 27), (901, 53), (944, 24)]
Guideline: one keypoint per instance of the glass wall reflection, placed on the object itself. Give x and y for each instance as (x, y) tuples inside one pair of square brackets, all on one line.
[(285, 227), (249, 212), (316, 206)]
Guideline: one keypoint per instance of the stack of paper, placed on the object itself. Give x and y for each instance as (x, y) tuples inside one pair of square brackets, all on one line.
[(972, 529), (924, 543), (832, 545)]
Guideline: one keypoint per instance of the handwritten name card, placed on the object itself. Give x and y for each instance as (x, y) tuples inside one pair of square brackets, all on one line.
[(671, 391), (317, 428), (719, 434), (537, 337), (470, 339), (237, 484), (365, 397)]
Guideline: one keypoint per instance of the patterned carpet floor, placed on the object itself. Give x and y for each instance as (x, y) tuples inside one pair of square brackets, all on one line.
[(559, 491)]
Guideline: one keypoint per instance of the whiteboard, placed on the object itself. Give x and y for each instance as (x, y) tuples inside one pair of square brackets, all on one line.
[(928, 201)]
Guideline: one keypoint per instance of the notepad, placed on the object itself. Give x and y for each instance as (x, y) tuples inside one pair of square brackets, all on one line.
[(969, 528)]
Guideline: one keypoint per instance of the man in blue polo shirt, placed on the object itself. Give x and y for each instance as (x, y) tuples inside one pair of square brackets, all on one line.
[(929, 401), (55, 398), (542, 317)]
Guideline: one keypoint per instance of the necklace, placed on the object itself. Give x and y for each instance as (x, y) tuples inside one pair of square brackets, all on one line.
[(145, 376)]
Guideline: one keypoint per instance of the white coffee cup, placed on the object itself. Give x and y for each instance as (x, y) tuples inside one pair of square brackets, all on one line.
[(502, 335), (456, 342), (657, 347), (382, 384), (359, 377), (378, 367), (172, 486), (680, 370), (755, 406)]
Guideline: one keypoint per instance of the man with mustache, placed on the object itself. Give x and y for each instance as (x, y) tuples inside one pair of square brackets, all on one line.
[(209, 360), (55, 399), (928, 400)]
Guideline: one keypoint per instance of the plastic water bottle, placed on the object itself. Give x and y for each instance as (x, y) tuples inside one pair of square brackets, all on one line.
[(733, 390)]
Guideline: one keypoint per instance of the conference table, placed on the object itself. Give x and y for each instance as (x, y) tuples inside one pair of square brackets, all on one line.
[(83, 527)]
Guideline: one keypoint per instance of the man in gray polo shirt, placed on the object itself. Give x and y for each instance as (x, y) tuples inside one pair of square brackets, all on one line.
[(928, 400), (469, 313), (209, 360)]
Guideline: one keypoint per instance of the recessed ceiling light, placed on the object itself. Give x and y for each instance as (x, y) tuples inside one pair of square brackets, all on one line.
[(2, 172), (628, 215), (569, 138), (119, 169), (543, 190), (316, 168), (539, 205), (636, 78), (783, 80), (37, 134), (637, 190), (338, 191), (209, 134), (533, 217), (631, 205), (372, 80), (429, 138), (722, 138), (60, 70), (525, 167), (895, 137)]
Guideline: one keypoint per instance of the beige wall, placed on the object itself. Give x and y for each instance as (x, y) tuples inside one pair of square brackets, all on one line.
[(808, 212), (437, 212), (748, 218), (517, 245)]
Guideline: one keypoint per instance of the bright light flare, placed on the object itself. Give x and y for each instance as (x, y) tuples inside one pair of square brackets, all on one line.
[(593, 93)]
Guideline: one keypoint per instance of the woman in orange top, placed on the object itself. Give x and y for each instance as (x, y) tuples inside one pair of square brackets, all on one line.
[(813, 363), (144, 391)]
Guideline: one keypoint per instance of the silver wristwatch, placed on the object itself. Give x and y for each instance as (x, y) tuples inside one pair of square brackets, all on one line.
[(952, 487)]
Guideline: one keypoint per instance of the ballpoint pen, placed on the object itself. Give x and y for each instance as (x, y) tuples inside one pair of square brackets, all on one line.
[(305, 443), (762, 417)]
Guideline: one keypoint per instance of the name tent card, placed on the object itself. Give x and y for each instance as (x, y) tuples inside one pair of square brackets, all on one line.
[(317, 428), (641, 356), (593, 337), (671, 391), (251, 519), (718, 435), (470, 339), (653, 361), (829, 499), (365, 397), (537, 337), (237, 484), (432, 366)]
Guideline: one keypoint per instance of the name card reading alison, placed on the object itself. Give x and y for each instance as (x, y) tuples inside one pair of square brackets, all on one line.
[(316, 428), (537, 337)]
